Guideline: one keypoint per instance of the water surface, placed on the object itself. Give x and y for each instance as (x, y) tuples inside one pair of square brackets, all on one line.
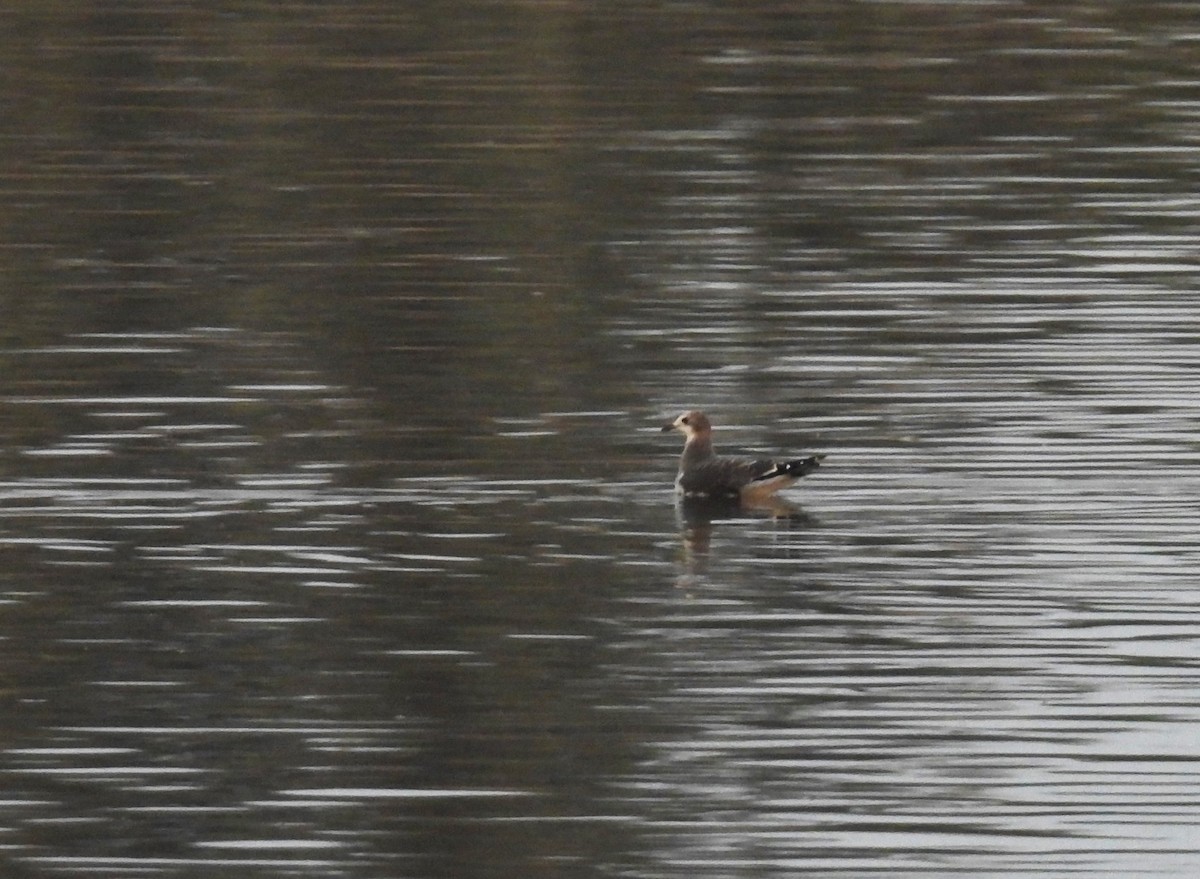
[(337, 528)]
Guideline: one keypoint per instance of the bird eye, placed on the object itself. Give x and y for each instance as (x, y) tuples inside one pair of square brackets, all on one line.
[(684, 419)]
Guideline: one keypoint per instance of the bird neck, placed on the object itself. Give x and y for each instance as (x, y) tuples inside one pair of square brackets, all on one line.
[(697, 449)]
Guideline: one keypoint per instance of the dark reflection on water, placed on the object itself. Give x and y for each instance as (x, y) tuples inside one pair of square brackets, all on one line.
[(337, 531)]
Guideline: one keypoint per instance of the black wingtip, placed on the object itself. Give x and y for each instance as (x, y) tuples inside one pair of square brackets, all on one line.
[(803, 466)]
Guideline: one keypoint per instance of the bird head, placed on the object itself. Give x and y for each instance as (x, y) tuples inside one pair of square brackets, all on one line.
[(690, 424)]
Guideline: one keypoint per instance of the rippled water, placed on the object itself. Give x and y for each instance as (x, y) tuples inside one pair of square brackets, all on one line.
[(337, 528)]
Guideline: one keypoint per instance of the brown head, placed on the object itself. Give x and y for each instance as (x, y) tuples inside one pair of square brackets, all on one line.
[(691, 424)]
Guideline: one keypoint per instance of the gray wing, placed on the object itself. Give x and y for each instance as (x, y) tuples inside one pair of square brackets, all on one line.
[(723, 476)]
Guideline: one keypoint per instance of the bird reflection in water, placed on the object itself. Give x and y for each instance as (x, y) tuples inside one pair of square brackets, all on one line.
[(697, 518)]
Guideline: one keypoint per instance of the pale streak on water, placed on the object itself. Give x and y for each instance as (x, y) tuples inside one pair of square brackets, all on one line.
[(420, 603)]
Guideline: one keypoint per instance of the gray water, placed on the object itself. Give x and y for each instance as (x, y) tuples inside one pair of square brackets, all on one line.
[(337, 529)]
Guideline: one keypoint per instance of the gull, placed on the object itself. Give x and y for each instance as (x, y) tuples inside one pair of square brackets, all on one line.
[(702, 473)]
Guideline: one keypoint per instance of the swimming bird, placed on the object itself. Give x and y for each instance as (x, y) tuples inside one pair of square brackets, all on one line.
[(702, 473)]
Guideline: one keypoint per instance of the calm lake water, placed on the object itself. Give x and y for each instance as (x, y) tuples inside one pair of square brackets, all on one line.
[(337, 530)]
